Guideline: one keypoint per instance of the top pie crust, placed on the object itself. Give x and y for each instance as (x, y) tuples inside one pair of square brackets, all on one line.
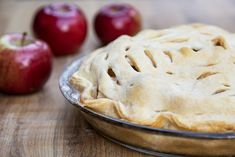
[(179, 78)]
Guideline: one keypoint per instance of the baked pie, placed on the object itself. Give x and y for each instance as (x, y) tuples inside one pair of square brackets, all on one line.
[(180, 78)]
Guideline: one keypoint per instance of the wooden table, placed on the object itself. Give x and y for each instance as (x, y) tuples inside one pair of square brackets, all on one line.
[(44, 124)]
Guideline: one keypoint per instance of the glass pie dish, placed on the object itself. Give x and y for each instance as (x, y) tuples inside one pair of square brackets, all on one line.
[(154, 141)]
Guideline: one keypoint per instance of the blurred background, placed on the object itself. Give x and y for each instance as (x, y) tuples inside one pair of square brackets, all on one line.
[(156, 14)]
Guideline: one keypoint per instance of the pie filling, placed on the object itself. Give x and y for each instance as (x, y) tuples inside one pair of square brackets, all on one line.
[(181, 78)]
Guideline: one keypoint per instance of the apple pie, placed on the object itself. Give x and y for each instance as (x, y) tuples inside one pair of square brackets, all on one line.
[(181, 78)]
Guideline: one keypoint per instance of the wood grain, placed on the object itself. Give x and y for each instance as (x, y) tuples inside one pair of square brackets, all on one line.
[(44, 124)]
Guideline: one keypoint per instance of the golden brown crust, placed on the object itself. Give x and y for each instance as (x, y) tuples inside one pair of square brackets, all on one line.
[(178, 78)]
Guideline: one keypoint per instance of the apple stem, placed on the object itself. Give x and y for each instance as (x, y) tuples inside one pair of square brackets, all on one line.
[(23, 38)]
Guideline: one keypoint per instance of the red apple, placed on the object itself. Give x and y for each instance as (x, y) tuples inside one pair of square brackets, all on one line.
[(63, 26), (25, 64), (115, 20)]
